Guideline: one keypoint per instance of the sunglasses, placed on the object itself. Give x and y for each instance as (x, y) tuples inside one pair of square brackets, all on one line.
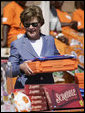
[(33, 24)]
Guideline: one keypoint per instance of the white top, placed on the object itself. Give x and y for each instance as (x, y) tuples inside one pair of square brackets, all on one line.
[(37, 45), (54, 22)]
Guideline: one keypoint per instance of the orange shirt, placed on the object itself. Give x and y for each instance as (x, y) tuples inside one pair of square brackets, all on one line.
[(78, 15), (11, 17), (63, 16)]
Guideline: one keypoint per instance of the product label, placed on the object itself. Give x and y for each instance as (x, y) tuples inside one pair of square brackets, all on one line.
[(63, 96)]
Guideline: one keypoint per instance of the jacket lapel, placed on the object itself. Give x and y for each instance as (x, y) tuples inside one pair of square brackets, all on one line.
[(28, 47), (44, 47)]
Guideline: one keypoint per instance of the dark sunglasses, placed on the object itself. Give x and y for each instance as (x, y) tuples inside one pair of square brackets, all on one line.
[(33, 24)]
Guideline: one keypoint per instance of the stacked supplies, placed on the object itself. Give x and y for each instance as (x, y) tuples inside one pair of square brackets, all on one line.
[(45, 97), (73, 34), (37, 97), (60, 46), (53, 63), (63, 96), (76, 44), (79, 79)]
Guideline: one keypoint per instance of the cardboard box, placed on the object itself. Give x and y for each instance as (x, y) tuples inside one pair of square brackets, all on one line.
[(63, 96)]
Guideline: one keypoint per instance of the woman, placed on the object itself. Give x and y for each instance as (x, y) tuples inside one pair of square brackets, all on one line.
[(33, 44), (64, 17)]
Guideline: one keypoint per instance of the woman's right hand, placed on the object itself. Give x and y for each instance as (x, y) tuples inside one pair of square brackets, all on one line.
[(26, 69)]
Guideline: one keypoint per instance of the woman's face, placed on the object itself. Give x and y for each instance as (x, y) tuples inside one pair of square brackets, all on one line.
[(32, 28)]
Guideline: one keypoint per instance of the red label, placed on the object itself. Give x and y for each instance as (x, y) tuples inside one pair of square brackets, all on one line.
[(63, 96)]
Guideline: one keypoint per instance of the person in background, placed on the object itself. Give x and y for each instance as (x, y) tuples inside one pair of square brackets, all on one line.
[(12, 29), (78, 15), (64, 17), (31, 45), (55, 24)]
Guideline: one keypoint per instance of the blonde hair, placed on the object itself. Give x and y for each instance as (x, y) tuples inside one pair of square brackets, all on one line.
[(32, 12)]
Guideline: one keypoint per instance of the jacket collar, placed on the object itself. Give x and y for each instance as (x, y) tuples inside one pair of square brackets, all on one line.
[(28, 47)]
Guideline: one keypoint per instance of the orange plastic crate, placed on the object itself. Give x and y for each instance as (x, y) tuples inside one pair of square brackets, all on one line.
[(79, 79), (72, 34), (60, 46), (79, 76), (53, 65), (81, 86)]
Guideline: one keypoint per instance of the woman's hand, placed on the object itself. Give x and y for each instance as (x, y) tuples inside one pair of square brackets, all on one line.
[(26, 69)]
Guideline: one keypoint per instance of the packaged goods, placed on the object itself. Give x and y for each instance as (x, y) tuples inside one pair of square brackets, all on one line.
[(60, 46), (78, 52), (55, 97), (39, 108), (52, 64), (71, 33), (33, 90), (37, 97), (63, 96), (31, 87), (79, 79), (81, 86), (38, 104), (67, 110)]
